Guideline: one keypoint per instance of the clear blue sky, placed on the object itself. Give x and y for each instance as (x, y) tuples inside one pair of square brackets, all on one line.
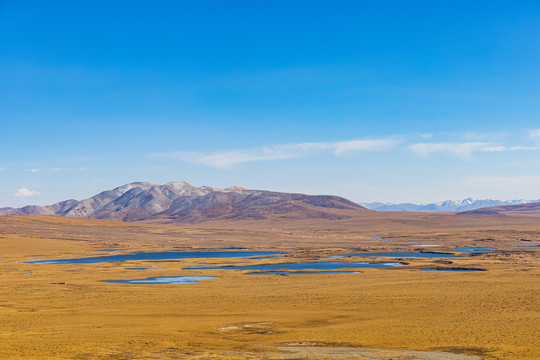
[(376, 101)]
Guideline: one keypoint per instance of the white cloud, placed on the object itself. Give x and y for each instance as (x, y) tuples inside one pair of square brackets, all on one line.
[(459, 149), (229, 159), (465, 149), (24, 192), (305, 146), (363, 145), (490, 136), (279, 152), (496, 148), (32, 170), (509, 148), (524, 148)]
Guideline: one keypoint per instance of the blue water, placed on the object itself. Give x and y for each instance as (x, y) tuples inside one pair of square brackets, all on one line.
[(163, 280), (325, 265), (212, 249), (476, 250), (396, 254), (300, 272), (167, 255), (142, 269)]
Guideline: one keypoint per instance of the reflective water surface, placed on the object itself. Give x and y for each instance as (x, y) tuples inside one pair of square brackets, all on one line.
[(164, 280), (166, 255), (323, 265)]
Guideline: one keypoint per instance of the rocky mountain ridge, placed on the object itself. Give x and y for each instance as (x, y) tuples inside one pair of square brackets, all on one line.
[(180, 201)]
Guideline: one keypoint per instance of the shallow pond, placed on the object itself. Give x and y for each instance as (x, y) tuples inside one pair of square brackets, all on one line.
[(396, 254), (163, 280), (300, 272), (153, 256), (475, 250), (211, 249), (324, 265)]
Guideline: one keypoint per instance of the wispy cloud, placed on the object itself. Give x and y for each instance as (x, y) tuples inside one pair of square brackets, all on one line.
[(488, 136), (228, 159), (501, 148), (459, 149), (465, 149), (343, 147), (24, 192), (32, 170), (231, 158)]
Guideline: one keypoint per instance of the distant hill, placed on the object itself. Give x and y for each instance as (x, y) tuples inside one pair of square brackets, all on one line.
[(448, 205), (182, 202), (525, 209)]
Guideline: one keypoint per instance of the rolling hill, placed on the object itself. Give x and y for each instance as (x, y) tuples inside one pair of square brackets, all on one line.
[(523, 209)]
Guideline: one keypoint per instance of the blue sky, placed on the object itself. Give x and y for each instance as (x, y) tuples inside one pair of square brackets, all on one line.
[(396, 101)]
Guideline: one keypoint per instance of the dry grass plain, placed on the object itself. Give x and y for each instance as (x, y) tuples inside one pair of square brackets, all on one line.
[(64, 312)]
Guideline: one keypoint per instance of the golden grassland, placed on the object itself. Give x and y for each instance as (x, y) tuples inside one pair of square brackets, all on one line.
[(65, 312)]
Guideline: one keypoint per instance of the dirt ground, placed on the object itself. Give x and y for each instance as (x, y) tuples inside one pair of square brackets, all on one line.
[(62, 311)]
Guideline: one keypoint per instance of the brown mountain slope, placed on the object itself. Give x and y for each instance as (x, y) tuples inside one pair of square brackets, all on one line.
[(523, 209), (182, 202)]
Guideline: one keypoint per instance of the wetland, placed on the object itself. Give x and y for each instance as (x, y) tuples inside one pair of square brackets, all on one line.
[(466, 304)]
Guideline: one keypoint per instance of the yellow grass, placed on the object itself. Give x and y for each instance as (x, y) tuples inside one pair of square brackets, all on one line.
[(64, 312)]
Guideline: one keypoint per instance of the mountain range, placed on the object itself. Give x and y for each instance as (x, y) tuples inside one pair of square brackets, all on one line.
[(182, 202), (448, 205)]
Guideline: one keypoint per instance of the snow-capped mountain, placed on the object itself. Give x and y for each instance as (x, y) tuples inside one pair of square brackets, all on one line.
[(447, 205)]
